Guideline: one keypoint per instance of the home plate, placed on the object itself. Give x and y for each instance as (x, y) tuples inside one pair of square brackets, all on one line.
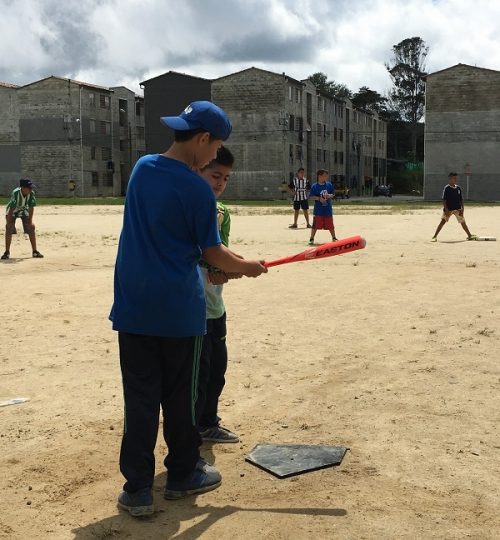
[(284, 460)]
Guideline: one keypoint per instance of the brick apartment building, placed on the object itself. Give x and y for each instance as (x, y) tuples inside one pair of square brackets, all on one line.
[(462, 131), (279, 125), (57, 130)]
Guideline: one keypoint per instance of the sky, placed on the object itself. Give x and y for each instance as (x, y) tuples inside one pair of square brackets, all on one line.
[(124, 42)]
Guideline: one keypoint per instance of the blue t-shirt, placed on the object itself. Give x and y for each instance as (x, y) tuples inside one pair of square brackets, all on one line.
[(169, 218), (322, 208)]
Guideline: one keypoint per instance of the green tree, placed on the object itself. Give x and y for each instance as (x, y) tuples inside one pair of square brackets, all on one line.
[(407, 71), (370, 100), (320, 80)]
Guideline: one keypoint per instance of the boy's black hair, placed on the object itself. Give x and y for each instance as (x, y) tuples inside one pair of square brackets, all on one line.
[(184, 136), (224, 157), (321, 171), (301, 169)]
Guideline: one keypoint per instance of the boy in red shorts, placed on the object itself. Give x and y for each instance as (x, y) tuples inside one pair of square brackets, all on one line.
[(322, 195)]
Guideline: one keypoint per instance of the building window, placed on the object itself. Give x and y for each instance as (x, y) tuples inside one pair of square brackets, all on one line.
[(292, 122), (92, 152), (341, 134), (290, 150), (122, 145), (300, 123), (319, 104), (335, 156), (319, 130), (341, 158), (334, 133), (319, 154), (104, 127), (290, 93), (298, 95), (105, 153), (92, 126), (95, 179), (291, 176), (324, 156), (91, 99), (108, 179), (139, 131), (138, 108), (324, 130), (298, 151), (104, 101)]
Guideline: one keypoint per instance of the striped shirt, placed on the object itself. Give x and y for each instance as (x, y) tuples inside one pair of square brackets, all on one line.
[(301, 186), (19, 203)]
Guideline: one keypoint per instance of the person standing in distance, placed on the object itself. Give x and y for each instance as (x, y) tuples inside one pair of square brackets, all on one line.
[(159, 311), (300, 187), (21, 205), (453, 204)]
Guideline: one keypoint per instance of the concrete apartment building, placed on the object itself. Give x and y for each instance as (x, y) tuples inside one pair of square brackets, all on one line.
[(462, 131), (61, 131), (279, 125)]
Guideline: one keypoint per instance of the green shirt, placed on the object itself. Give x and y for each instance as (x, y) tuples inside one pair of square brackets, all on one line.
[(213, 293), (20, 204)]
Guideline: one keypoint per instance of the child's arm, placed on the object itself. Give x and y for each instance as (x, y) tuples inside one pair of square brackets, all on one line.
[(223, 258)]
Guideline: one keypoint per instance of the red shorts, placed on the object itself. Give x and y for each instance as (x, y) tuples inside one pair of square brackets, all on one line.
[(323, 222)]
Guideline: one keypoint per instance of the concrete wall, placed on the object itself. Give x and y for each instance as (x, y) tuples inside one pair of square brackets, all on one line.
[(169, 95), (10, 149), (462, 131)]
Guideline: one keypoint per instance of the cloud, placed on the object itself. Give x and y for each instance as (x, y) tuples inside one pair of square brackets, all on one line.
[(111, 42)]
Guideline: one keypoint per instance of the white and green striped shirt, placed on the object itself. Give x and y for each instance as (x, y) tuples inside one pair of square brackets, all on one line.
[(20, 204)]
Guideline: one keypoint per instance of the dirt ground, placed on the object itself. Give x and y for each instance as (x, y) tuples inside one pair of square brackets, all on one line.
[(391, 351)]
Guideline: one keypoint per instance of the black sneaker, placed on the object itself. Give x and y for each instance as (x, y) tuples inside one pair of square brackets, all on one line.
[(293, 226), (37, 255), (219, 434), (5, 256), (204, 478), (137, 504)]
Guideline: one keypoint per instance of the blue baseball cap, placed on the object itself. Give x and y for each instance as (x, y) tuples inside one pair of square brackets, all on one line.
[(201, 115), (25, 182)]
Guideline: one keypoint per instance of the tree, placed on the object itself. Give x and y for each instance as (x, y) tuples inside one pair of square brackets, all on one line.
[(320, 80), (407, 71), (370, 100)]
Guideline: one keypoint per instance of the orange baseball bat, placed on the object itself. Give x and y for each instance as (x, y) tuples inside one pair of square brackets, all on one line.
[(324, 250)]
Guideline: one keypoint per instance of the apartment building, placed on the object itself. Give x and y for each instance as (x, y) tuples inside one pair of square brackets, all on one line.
[(65, 131), (462, 131), (279, 124)]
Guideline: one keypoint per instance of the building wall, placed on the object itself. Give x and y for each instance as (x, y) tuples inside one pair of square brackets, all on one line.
[(462, 131), (69, 131), (10, 149), (169, 95), (255, 102)]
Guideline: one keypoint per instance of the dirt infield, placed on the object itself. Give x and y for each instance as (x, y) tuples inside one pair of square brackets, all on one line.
[(392, 351)]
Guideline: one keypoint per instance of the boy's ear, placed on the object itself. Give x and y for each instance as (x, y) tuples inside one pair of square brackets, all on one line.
[(204, 137)]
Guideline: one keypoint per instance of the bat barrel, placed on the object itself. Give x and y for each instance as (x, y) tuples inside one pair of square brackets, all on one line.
[(339, 247)]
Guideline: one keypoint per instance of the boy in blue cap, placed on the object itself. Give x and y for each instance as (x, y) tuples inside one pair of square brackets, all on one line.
[(170, 222), (21, 205)]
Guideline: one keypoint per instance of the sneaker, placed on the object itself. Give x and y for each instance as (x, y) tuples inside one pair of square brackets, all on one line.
[(311, 242), (472, 237), (334, 239), (219, 434), (6, 256), (309, 226), (434, 239), (137, 504), (293, 226), (37, 255), (205, 477)]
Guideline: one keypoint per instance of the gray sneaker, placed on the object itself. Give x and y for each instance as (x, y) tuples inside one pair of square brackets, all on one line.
[(138, 504), (205, 477), (219, 434)]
